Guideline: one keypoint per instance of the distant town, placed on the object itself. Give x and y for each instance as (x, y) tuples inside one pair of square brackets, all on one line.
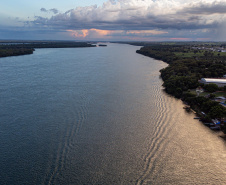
[(216, 48)]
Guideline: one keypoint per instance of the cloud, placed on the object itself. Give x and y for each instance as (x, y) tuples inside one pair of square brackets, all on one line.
[(214, 7), (138, 17), (53, 10), (31, 33), (220, 32), (43, 10), (96, 33)]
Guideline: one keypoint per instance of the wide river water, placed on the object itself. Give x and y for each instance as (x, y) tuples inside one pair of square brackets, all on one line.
[(99, 116)]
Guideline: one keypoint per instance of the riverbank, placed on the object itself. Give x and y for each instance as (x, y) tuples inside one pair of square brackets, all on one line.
[(185, 71)]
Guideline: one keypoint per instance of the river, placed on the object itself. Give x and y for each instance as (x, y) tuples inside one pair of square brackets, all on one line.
[(99, 116)]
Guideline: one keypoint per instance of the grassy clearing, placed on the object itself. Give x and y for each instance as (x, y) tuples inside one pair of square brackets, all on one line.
[(221, 53), (193, 91), (191, 54), (220, 94), (188, 55)]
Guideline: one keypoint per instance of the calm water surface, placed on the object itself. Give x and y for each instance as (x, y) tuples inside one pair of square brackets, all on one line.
[(99, 116)]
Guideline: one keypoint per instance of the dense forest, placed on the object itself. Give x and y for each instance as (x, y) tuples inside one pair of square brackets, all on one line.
[(12, 51), (23, 48), (188, 63)]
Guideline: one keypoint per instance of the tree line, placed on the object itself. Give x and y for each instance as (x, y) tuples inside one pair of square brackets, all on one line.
[(11, 49)]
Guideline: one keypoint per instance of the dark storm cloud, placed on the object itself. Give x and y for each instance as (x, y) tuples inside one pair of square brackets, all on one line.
[(207, 9)]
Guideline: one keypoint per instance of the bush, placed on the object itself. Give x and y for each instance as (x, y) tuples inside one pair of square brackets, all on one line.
[(211, 88)]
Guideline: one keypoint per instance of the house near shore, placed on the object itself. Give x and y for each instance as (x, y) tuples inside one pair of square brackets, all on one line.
[(219, 82), (199, 90)]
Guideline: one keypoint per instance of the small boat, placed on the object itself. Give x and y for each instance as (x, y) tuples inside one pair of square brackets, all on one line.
[(197, 118)]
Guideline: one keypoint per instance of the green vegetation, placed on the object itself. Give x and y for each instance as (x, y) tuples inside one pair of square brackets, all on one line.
[(220, 94), (193, 91), (12, 51), (23, 48), (188, 55), (196, 53), (185, 70), (211, 108), (188, 63), (211, 88)]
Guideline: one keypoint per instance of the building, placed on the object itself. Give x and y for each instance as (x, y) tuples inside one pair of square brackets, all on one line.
[(199, 90), (219, 82)]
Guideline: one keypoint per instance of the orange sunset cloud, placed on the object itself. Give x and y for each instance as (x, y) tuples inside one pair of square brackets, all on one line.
[(97, 33)]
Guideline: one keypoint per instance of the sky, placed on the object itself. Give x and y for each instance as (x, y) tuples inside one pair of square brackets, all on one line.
[(113, 20)]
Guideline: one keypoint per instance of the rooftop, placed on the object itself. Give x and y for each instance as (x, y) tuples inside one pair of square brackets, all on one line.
[(213, 80)]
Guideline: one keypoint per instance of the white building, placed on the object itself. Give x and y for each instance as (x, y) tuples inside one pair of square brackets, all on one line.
[(218, 82)]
